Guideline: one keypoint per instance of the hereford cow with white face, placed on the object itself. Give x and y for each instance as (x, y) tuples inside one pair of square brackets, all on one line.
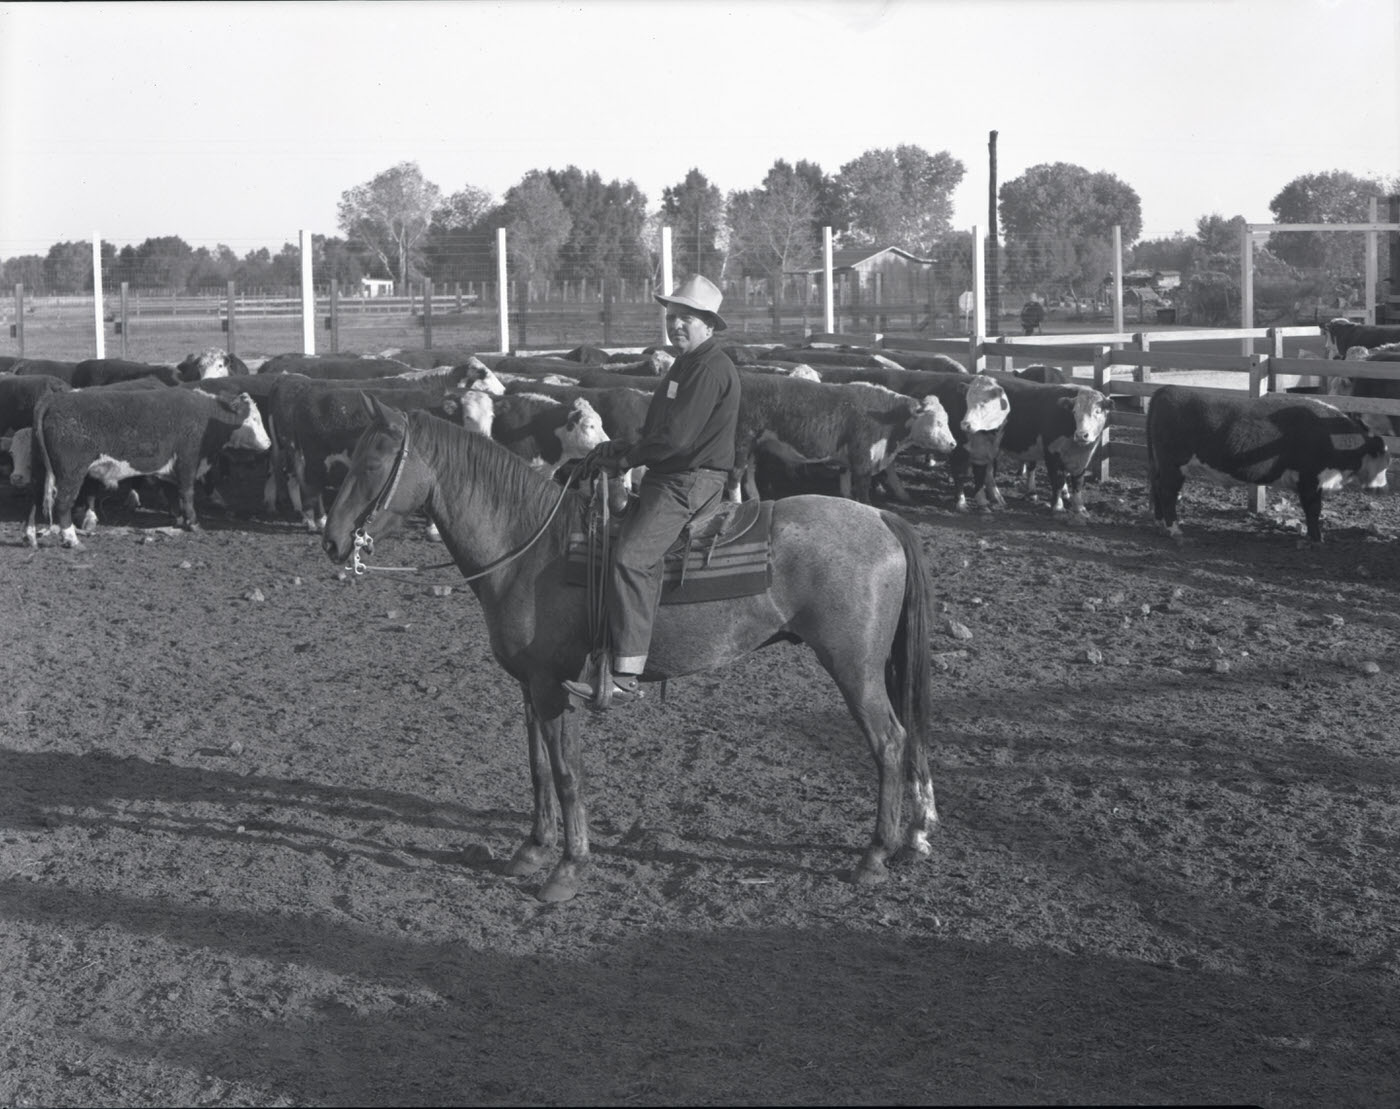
[(1342, 334), (212, 362), (1289, 440), (1060, 425), (173, 434)]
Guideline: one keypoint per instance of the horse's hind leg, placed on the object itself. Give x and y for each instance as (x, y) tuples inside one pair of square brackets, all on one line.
[(923, 809), (864, 691), (531, 855), (887, 738)]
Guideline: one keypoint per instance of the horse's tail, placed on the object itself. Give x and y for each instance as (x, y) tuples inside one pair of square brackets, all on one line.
[(908, 678)]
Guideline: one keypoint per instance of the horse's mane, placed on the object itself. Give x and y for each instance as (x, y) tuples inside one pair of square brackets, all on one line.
[(477, 464)]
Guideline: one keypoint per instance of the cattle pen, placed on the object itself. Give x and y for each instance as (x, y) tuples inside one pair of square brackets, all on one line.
[(256, 812)]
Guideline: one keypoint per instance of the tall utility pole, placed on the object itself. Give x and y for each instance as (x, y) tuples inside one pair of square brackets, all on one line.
[(993, 290)]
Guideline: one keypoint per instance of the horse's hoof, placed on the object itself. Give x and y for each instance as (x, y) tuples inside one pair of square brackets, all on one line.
[(911, 854), (528, 858), (865, 875), (562, 885), (872, 870)]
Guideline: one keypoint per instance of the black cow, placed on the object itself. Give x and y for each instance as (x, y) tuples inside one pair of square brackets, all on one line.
[(1379, 388), (588, 356), (259, 387), (602, 377), (922, 360), (1341, 335), (48, 367), (1046, 375), (92, 489), (343, 366), (783, 369), (262, 386), (976, 406), (20, 393), (623, 411), (653, 365), (545, 431), (647, 352), (107, 371), (430, 358), (1060, 425), (780, 471), (115, 434), (7, 362), (314, 423), (1286, 439), (865, 426), (822, 357), (536, 365)]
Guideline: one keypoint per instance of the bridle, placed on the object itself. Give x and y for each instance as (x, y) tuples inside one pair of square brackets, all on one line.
[(364, 541)]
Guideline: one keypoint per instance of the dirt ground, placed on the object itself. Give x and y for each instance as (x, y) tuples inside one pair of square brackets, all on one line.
[(252, 816)]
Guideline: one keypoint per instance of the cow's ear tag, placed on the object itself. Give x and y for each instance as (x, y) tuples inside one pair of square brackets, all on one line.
[(672, 389)]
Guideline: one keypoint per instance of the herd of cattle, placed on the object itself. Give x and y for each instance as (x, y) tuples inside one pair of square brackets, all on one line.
[(813, 419)]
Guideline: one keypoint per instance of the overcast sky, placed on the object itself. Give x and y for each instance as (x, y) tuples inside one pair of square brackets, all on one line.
[(243, 123)]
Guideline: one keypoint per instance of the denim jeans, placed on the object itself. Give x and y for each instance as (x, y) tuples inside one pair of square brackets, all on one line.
[(666, 504)]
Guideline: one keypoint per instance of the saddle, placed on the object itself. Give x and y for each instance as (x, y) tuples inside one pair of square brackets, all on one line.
[(724, 554)]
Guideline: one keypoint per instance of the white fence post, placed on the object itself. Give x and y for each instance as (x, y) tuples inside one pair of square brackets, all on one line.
[(1118, 279), (667, 279), (829, 299), (1103, 382), (308, 298), (101, 340), (1372, 258), (976, 360), (502, 291), (1246, 287)]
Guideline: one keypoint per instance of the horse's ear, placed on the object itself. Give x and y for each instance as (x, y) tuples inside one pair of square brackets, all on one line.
[(377, 409)]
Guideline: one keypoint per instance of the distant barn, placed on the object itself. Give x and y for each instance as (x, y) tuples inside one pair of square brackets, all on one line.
[(871, 275)]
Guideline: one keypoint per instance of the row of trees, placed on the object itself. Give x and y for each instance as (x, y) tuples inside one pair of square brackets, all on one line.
[(1292, 270), (569, 224)]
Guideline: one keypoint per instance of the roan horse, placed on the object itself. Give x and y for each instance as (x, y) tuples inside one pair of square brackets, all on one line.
[(848, 580)]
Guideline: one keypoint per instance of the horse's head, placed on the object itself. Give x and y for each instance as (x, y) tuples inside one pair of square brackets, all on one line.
[(373, 492)]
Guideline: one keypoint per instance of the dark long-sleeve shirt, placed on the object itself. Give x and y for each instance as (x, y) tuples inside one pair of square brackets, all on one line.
[(693, 415)]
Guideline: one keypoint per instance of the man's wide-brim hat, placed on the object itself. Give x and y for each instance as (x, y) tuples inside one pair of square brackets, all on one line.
[(699, 293)]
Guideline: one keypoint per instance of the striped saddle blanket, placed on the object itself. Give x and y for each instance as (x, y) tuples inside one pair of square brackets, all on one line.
[(727, 555)]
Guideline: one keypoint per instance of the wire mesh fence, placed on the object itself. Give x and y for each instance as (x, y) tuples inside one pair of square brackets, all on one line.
[(1033, 285), (872, 290)]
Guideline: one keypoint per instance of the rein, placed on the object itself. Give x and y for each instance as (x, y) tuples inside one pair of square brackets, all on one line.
[(364, 541)]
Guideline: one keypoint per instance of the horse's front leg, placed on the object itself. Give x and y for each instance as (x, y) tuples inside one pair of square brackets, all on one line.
[(531, 855), (561, 738)]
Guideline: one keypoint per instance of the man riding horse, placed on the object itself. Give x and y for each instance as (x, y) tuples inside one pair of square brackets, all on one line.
[(687, 447)]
